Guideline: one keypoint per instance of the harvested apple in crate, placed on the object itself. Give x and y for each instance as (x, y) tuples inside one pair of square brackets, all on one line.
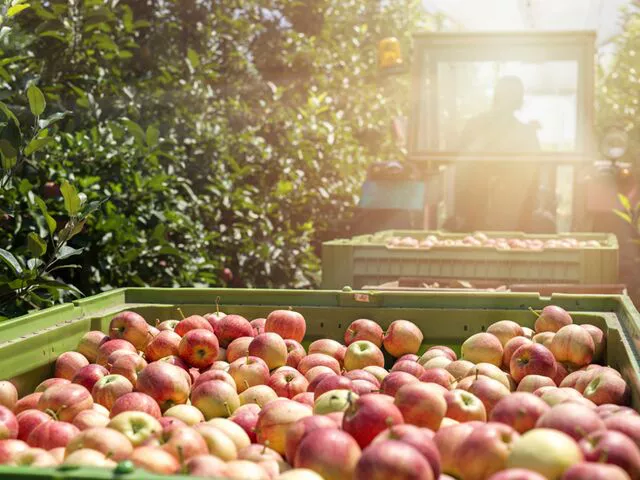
[(222, 396)]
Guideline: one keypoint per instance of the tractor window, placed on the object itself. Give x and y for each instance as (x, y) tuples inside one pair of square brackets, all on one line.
[(500, 106)]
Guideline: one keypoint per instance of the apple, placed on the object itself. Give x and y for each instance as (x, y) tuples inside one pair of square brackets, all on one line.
[(165, 383), (361, 354), (402, 337), (421, 404), (532, 359), (8, 394), (409, 356), (271, 348), (110, 346), (246, 417), (100, 409), (511, 346), (89, 419), (431, 354), (543, 338), (104, 440), (318, 359), (482, 347), (155, 460), (377, 371), (413, 368), (249, 371), (329, 347), (215, 317), (264, 456), (595, 471), (258, 394), (334, 401), (34, 457), (438, 362), (90, 343), (488, 390), (555, 396), (287, 324), (238, 348), (299, 474), (298, 431), (231, 327), (613, 447), (517, 474), (607, 388), (485, 451), (609, 410), (137, 426), (10, 448), (89, 375), (136, 401), (167, 325), (215, 398), (275, 419), (244, 469), (364, 329), (452, 355), (49, 435), (214, 375), (599, 341), (464, 406), (626, 424), (305, 398), (27, 402), (505, 330), (191, 323), (232, 430), (330, 452), (181, 442), (369, 415), (198, 347), (87, 457), (392, 459), (206, 466), (8, 424), (288, 384), (448, 440), (331, 382), (68, 364), (419, 438), (551, 319), (27, 420), (218, 443), (162, 345), (439, 376), (109, 388), (360, 374), (520, 410), (392, 382), (66, 401), (573, 344), (49, 382), (131, 327), (129, 366), (258, 325), (189, 414)]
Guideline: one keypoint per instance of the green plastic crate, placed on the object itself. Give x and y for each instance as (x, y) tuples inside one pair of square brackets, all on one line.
[(29, 345), (367, 260)]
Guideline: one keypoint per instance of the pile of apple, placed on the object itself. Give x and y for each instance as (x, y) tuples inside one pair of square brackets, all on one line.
[(221, 396), (479, 239)]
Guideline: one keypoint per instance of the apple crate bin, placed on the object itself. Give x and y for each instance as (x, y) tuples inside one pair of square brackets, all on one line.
[(29, 345), (368, 260)]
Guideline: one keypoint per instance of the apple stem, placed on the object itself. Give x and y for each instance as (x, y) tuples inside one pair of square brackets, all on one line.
[(535, 312), (247, 384), (264, 448), (226, 405), (51, 413), (581, 431), (604, 455), (477, 373), (181, 456), (180, 312), (109, 454), (157, 322), (218, 305)]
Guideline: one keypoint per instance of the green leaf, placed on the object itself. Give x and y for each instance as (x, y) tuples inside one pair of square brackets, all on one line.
[(16, 9), (37, 144), (193, 57), (51, 223), (153, 135), (45, 122), (66, 251), (36, 245), (37, 102), (623, 215), (60, 286), (624, 201), (11, 261), (72, 201), (136, 131), (4, 109)]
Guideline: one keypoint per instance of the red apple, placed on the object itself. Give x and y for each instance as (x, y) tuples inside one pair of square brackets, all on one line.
[(131, 327), (162, 345), (90, 343), (330, 452), (361, 354), (136, 401), (264, 456), (27, 402), (231, 327), (544, 338), (409, 356), (413, 368), (318, 359), (298, 431), (572, 419), (287, 324), (448, 440), (368, 416), (610, 446), (511, 346), (66, 401), (105, 440), (181, 442), (53, 434), (90, 419), (214, 375), (258, 325), (27, 421), (402, 337), (331, 382), (364, 329), (531, 383), (362, 387), (271, 348), (243, 469), (275, 419), (419, 438), (485, 451), (110, 346), (329, 347), (483, 347), (516, 474), (599, 341), (206, 466), (68, 364), (295, 352), (573, 344), (198, 347), (306, 398), (607, 388), (50, 382), (258, 394), (609, 410), (8, 394), (89, 375), (288, 384), (191, 323), (109, 388), (129, 366), (532, 359), (10, 448), (439, 376), (595, 471), (359, 374), (452, 355), (249, 371), (551, 319), (460, 368), (155, 460), (625, 423), (8, 424), (165, 383), (215, 398), (238, 348), (392, 459), (489, 391), (505, 330), (421, 404), (34, 457), (392, 382), (246, 416), (520, 411), (464, 406), (168, 325)]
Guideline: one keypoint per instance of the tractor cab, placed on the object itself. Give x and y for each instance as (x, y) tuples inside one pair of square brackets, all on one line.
[(501, 132)]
